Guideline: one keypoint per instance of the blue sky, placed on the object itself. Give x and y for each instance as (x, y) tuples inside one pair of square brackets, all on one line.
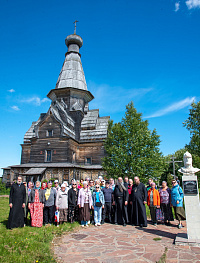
[(144, 51)]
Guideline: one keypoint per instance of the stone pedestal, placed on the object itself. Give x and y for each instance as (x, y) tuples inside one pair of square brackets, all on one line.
[(192, 206), (191, 198)]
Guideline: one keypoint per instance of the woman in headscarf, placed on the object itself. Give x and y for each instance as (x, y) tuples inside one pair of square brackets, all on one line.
[(153, 201), (165, 197), (85, 204), (36, 205), (44, 185)]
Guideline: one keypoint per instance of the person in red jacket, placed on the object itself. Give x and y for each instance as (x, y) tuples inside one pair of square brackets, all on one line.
[(153, 201)]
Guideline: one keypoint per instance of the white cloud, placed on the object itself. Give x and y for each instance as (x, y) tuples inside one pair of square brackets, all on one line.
[(113, 99), (11, 90), (16, 108), (35, 100), (193, 4), (177, 6), (173, 107)]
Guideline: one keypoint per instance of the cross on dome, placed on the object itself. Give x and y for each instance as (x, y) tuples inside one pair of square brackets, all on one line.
[(75, 26)]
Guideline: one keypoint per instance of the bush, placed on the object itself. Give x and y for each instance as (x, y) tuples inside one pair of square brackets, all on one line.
[(3, 189)]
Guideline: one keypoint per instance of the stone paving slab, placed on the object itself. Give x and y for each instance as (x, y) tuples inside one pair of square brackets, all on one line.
[(116, 244)]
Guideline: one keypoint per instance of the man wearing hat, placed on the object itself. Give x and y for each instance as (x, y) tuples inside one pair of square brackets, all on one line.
[(57, 187)]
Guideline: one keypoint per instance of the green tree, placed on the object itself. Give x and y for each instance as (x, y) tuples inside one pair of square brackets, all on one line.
[(193, 125), (179, 157), (169, 166), (132, 149)]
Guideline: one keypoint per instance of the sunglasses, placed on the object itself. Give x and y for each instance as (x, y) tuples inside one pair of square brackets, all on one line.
[(97, 187), (73, 184)]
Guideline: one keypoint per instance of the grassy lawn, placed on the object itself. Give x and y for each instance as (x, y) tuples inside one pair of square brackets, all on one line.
[(27, 244), (148, 212)]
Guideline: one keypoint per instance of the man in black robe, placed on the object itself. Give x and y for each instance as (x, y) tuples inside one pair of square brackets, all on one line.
[(17, 202), (138, 200), (121, 201)]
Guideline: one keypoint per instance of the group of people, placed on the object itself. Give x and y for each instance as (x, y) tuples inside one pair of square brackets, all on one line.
[(94, 202), (161, 201)]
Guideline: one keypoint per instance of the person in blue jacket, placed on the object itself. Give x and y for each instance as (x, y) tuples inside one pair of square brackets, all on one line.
[(177, 202), (98, 204)]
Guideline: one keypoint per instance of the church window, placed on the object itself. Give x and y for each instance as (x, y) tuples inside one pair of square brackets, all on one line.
[(73, 157), (49, 133), (88, 160), (66, 175), (48, 156)]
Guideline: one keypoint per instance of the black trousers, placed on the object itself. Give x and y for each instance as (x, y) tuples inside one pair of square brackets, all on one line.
[(107, 210), (48, 214), (120, 211), (153, 213), (73, 213)]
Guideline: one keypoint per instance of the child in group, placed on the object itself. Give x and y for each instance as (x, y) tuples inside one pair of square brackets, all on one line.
[(62, 204)]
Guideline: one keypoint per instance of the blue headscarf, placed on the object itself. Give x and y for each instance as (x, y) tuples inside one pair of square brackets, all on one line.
[(36, 183)]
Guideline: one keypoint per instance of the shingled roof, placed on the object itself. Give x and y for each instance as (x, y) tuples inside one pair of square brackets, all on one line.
[(71, 74), (93, 126), (72, 77)]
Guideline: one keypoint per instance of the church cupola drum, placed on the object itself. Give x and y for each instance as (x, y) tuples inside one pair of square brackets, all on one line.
[(67, 141)]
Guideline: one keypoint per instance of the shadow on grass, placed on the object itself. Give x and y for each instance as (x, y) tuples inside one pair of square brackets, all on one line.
[(4, 222)]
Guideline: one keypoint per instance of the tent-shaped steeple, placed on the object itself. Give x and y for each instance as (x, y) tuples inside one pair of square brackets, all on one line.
[(72, 75)]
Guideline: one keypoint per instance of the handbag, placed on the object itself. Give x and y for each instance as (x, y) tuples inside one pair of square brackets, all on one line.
[(57, 213), (98, 204), (159, 214)]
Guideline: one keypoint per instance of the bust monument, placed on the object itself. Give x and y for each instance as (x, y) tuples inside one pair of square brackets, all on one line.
[(188, 169)]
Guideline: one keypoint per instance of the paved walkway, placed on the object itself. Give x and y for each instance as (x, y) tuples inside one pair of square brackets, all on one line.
[(114, 243)]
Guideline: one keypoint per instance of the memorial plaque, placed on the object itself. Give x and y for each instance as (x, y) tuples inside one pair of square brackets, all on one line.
[(190, 187)]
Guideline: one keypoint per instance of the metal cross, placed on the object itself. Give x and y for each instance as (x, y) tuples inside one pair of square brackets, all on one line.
[(173, 161), (75, 26)]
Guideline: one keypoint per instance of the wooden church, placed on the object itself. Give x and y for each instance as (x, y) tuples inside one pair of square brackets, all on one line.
[(68, 141)]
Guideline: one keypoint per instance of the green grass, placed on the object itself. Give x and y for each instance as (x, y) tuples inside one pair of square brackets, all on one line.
[(148, 212), (28, 244), (5, 191), (163, 257), (157, 239)]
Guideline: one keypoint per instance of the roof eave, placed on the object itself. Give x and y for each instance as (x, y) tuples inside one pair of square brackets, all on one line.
[(87, 95)]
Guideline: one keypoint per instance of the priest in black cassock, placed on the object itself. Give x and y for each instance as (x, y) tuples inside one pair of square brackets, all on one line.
[(17, 202), (121, 201), (138, 200)]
